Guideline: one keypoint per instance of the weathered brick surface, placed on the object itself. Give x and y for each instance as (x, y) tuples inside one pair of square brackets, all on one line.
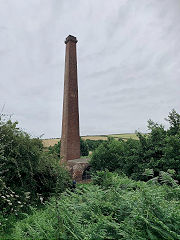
[(77, 167), (70, 139)]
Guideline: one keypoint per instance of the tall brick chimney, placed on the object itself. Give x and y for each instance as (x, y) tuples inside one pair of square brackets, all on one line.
[(70, 139)]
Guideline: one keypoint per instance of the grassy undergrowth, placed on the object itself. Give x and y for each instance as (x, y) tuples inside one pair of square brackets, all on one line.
[(113, 207)]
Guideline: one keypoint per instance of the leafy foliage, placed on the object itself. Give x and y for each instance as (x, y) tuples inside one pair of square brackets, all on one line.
[(114, 208), (159, 150), (26, 168), (93, 144), (55, 150), (84, 148), (24, 164), (11, 202)]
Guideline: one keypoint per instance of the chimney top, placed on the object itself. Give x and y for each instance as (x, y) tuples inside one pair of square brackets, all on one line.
[(70, 38)]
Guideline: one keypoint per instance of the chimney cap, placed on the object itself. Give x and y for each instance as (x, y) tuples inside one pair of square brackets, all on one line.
[(71, 38)]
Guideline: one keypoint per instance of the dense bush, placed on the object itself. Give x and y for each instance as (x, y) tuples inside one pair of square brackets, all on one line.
[(118, 155), (84, 148), (93, 144), (25, 167), (107, 156), (159, 150), (115, 208), (20, 155), (55, 150)]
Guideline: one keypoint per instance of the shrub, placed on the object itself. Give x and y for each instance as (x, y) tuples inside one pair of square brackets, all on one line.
[(93, 144), (107, 156), (10, 201), (28, 174), (20, 155), (55, 150), (116, 155), (84, 148), (50, 176), (25, 167)]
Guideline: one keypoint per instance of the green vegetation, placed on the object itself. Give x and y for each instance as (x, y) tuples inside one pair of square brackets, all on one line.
[(55, 149), (114, 207), (159, 150), (93, 144), (124, 136), (134, 195), (84, 148), (28, 175)]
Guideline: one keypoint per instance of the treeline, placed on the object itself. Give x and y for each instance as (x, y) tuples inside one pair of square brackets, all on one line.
[(159, 150)]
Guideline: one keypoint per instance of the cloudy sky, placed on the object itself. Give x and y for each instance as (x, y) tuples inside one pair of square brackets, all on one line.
[(128, 62)]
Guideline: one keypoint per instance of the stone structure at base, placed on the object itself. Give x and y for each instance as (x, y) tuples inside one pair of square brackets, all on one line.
[(70, 138), (77, 167)]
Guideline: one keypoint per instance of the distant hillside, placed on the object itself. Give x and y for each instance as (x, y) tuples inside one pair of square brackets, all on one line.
[(53, 141)]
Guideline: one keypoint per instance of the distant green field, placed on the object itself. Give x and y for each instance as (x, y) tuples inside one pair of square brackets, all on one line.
[(51, 142), (124, 136)]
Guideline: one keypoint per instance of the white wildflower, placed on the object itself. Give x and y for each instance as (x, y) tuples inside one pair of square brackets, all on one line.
[(41, 199), (27, 193)]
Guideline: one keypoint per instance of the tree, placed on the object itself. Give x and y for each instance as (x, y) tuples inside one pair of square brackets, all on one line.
[(159, 150), (174, 121)]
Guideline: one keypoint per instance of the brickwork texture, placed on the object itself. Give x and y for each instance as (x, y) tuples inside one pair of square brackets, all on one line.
[(70, 138)]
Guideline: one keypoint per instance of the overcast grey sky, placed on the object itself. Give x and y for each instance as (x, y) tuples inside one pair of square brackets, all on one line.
[(128, 62)]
